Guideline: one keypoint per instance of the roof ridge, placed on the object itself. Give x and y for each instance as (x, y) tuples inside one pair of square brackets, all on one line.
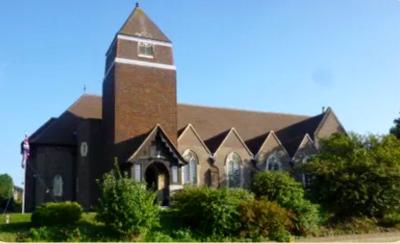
[(245, 110), (90, 95)]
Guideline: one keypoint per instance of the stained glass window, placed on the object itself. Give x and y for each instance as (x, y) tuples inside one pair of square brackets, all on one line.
[(190, 170), (233, 163)]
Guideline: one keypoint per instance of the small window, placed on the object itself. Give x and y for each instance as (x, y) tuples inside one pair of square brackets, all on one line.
[(174, 174), (306, 177), (138, 172), (57, 186), (273, 163), (146, 50)]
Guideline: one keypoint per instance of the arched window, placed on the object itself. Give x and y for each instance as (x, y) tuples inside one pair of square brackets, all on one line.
[(190, 170), (57, 186), (273, 163), (233, 163), (305, 177)]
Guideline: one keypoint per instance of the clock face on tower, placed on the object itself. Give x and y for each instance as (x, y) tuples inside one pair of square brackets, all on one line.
[(84, 149)]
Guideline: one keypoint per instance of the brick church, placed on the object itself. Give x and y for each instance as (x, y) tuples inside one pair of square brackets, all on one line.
[(138, 124)]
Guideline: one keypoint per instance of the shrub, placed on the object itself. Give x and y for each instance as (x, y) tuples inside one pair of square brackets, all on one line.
[(288, 193), (260, 218), (391, 219), (157, 237), (56, 213), (183, 235), (355, 176), (125, 206), (210, 211), (54, 234)]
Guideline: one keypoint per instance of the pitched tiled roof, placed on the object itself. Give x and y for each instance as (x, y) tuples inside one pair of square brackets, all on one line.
[(61, 131), (212, 124), (140, 25), (214, 142), (292, 136), (255, 143), (210, 121)]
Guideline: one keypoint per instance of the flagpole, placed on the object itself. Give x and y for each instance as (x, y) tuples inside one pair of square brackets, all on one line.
[(23, 190), (24, 164)]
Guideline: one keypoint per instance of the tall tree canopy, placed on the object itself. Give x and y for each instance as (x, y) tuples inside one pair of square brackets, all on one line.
[(395, 130), (357, 175), (6, 187)]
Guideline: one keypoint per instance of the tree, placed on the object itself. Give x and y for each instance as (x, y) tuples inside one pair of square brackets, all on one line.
[(125, 206), (356, 175), (6, 187), (395, 130)]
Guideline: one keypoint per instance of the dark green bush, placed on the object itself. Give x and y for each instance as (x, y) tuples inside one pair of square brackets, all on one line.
[(288, 193), (127, 207), (260, 218), (355, 176), (56, 213), (210, 211)]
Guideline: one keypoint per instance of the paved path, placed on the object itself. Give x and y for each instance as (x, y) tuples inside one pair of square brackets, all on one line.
[(376, 237)]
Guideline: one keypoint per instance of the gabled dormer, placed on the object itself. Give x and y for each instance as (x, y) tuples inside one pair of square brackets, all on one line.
[(272, 155)]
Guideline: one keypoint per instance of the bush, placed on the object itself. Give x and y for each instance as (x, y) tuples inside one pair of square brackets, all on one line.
[(210, 211), (260, 218), (288, 193), (125, 206), (157, 237), (56, 213), (391, 219), (355, 176), (54, 234)]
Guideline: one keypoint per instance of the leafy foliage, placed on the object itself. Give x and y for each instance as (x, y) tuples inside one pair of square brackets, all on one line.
[(355, 175), (60, 213), (261, 218), (210, 211), (126, 206), (56, 234), (395, 130), (6, 187), (288, 193)]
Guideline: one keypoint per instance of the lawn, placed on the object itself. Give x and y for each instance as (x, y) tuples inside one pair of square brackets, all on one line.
[(20, 227), (19, 223), (86, 230), (89, 230)]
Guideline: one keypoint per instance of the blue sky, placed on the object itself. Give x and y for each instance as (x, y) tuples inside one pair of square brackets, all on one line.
[(291, 56)]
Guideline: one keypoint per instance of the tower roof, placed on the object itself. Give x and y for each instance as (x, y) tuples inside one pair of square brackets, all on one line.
[(140, 25)]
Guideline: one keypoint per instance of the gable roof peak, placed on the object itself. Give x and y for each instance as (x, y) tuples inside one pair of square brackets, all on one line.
[(140, 25)]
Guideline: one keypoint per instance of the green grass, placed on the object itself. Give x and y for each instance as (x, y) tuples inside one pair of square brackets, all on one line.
[(19, 224), (20, 227), (89, 230)]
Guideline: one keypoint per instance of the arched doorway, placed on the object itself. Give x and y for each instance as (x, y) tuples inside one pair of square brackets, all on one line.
[(157, 179)]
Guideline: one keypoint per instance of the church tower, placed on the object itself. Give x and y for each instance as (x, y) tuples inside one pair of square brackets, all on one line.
[(139, 87)]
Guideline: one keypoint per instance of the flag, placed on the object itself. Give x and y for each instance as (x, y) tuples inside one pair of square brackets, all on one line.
[(25, 151)]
